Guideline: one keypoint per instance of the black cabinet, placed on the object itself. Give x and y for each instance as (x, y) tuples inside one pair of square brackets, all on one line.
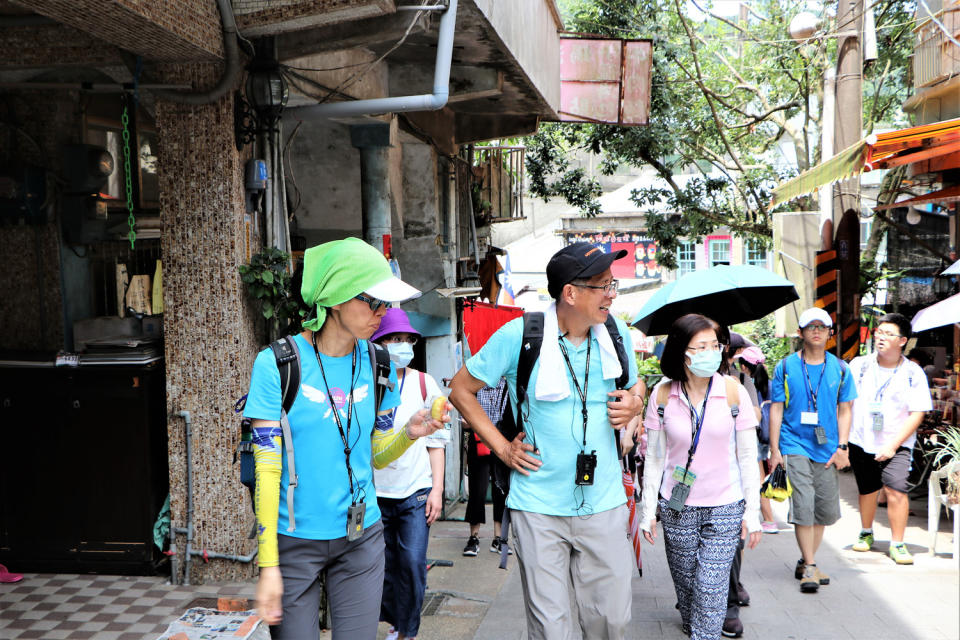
[(83, 472)]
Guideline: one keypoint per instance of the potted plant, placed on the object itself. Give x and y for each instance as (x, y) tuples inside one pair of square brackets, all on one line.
[(947, 451), (268, 279)]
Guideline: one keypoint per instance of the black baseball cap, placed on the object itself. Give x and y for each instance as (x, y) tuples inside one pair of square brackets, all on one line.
[(578, 260)]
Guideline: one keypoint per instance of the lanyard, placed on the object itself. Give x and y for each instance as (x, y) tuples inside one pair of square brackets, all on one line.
[(586, 380), (345, 436), (876, 379), (811, 394), (696, 421)]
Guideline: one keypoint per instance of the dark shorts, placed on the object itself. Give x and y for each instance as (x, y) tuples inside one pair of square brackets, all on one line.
[(872, 475)]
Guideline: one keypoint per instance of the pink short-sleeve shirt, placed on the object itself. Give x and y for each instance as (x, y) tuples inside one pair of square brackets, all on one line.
[(715, 462)]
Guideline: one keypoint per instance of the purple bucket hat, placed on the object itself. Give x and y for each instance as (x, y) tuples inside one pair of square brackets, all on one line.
[(395, 321)]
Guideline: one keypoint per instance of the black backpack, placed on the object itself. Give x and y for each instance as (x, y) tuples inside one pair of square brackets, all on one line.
[(530, 351), (288, 364)]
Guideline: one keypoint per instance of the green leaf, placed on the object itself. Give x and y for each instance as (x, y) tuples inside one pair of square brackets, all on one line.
[(267, 277)]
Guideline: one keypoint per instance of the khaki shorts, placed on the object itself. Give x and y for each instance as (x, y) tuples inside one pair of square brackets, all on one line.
[(816, 491)]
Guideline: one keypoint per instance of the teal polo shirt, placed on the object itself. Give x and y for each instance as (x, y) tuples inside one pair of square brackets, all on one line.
[(556, 428)]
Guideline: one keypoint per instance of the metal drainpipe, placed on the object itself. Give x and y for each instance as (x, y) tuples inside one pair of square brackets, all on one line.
[(398, 104), (373, 140), (189, 528), (229, 77)]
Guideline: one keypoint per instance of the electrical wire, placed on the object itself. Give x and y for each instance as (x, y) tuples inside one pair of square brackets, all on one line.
[(353, 79), (939, 24)]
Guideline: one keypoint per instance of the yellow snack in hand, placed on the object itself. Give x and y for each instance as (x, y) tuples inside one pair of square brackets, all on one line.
[(438, 407)]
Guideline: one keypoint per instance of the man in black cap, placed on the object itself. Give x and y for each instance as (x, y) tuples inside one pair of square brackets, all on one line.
[(566, 499)]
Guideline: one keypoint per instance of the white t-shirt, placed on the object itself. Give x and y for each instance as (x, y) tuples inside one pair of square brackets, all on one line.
[(410, 472), (906, 391)]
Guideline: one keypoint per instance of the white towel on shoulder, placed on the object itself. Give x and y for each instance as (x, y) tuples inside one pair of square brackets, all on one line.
[(552, 381)]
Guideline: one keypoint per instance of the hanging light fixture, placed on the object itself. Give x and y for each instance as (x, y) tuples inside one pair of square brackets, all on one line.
[(266, 95)]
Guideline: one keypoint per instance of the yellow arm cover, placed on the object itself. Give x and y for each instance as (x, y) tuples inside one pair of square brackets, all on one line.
[(267, 459), (389, 445)]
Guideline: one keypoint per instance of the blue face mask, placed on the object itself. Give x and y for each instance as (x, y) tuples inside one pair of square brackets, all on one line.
[(401, 353), (704, 363)]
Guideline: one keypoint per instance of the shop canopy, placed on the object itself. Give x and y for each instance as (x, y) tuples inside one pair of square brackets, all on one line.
[(876, 151)]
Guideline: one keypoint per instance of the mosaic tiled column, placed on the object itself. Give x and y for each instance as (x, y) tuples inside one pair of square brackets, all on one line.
[(209, 323)]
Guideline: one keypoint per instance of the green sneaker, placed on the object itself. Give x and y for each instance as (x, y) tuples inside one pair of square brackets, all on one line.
[(864, 542), (898, 552)]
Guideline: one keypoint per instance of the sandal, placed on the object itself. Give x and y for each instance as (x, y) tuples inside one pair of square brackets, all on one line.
[(7, 577)]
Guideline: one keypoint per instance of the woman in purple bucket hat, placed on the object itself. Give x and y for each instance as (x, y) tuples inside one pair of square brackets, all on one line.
[(410, 489)]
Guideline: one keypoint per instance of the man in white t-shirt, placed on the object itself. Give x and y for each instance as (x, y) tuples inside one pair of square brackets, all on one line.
[(892, 398), (410, 489)]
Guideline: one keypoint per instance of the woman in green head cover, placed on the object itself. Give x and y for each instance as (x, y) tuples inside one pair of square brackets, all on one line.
[(328, 519)]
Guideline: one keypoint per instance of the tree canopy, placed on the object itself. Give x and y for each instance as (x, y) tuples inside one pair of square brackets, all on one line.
[(733, 100)]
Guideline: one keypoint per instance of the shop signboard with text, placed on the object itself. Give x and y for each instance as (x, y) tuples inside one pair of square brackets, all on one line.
[(640, 263)]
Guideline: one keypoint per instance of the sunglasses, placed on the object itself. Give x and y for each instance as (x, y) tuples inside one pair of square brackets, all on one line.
[(375, 304)]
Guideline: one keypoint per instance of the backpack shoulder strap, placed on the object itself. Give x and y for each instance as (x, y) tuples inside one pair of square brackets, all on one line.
[(529, 350), (288, 364), (621, 349), (663, 396), (733, 396), (423, 385), (380, 366)]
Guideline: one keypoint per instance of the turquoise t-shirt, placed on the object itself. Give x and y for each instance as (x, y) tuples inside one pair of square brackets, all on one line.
[(791, 386), (322, 495), (556, 428)]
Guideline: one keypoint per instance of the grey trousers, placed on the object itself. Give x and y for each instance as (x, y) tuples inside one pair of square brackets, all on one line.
[(586, 559), (354, 585)]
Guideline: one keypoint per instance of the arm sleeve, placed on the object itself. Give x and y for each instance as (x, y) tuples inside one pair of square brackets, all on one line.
[(749, 477), (388, 445), (268, 461), (653, 475)]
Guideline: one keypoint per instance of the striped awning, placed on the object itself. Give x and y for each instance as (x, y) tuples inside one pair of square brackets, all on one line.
[(876, 151)]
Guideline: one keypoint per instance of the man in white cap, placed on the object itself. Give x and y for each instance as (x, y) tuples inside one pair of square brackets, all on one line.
[(812, 406)]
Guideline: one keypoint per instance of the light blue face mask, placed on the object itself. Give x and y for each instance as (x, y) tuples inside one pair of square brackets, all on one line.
[(704, 363), (401, 353)]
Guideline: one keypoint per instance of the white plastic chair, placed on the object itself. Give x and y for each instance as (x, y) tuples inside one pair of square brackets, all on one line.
[(937, 499)]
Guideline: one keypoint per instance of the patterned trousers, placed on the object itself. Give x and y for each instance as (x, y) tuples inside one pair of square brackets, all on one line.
[(700, 543)]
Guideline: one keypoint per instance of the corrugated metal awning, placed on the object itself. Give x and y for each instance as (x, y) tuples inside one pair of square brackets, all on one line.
[(876, 151)]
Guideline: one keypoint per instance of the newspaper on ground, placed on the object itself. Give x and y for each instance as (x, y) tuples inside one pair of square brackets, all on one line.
[(211, 624)]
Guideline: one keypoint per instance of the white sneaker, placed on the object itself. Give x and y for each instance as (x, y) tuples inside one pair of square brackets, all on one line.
[(393, 634)]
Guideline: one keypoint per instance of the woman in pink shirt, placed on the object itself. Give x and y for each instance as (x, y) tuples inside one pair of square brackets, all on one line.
[(702, 465)]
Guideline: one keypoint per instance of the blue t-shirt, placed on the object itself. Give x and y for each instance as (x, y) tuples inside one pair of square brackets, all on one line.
[(796, 390), (556, 428), (322, 495)]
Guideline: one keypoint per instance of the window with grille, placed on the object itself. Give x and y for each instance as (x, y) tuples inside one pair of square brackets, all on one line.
[(755, 253), (686, 258)]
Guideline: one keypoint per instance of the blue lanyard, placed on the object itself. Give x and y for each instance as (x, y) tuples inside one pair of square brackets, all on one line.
[(811, 394), (696, 420)]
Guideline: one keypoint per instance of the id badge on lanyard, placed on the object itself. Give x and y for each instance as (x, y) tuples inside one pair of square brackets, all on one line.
[(876, 415), (812, 418)]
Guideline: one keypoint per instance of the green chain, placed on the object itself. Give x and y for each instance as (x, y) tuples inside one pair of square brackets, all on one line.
[(128, 178)]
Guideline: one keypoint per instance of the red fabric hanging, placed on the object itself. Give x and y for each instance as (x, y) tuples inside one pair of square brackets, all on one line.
[(481, 320)]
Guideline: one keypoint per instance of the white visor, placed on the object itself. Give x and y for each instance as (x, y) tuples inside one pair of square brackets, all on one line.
[(393, 290)]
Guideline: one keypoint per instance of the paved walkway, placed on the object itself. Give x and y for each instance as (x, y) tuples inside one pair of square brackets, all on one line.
[(869, 596)]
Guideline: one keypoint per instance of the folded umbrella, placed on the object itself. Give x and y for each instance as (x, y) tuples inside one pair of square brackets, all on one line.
[(727, 294), (938, 315)]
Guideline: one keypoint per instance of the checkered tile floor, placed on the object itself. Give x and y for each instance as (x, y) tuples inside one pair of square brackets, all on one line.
[(74, 607)]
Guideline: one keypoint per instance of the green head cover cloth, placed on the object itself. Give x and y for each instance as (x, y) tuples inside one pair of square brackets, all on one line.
[(334, 272)]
